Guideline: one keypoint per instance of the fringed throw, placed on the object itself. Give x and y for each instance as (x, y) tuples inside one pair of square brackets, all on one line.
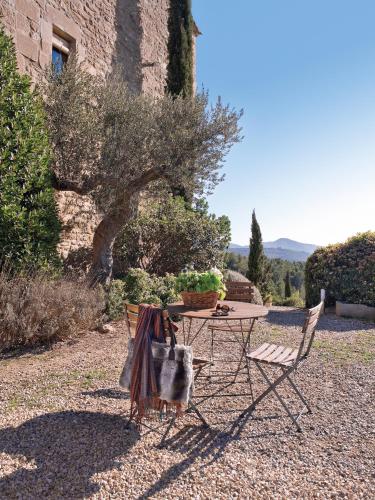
[(156, 374)]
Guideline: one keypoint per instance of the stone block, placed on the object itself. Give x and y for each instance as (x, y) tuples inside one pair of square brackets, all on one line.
[(28, 8), (22, 23), (28, 47), (45, 29), (44, 59), (63, 23)]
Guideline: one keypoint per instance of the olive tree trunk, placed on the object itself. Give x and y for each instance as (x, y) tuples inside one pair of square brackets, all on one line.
[(104, 238)]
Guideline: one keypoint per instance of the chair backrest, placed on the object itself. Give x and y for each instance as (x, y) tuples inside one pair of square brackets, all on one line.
[(308, 330), (241, 291), (131, 316)]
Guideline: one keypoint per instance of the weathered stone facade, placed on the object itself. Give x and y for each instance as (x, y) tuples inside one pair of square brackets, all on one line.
[(133, 33), (103, 33)]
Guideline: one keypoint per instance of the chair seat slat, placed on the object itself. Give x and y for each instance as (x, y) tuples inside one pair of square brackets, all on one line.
[(285, 356), (291, 358), (275, 354), (258, 351), (267, 352)]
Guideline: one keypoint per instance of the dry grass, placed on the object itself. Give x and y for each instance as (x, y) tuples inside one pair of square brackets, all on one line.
[(35, 308)]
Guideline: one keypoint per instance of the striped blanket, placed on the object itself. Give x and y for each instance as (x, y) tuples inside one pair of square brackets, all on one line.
[(155, 373)]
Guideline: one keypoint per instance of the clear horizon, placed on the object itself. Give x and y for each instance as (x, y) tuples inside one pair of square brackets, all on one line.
[(305, 76)]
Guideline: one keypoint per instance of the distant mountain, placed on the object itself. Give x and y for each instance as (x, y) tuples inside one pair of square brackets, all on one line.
[(287, 244), (283, 248)]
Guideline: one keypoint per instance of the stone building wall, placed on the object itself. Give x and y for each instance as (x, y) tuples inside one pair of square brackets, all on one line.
[(103, 33), (132, 33)]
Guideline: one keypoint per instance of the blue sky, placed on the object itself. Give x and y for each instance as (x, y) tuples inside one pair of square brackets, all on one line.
[(304, 73)]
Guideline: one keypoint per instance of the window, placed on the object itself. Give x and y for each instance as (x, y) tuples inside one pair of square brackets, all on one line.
[(60, 51), (58, 59)]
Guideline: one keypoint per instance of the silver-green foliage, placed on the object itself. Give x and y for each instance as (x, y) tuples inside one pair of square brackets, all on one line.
[(112, 144)]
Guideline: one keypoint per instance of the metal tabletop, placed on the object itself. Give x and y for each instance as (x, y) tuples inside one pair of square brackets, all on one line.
[(242, 311)]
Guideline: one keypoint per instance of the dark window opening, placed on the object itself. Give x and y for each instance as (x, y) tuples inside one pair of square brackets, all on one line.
[(59, 58)]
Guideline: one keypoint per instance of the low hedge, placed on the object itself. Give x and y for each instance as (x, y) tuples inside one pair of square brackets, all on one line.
[(36, 308), (345, 270)]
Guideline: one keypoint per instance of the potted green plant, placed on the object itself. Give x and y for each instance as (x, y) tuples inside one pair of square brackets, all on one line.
[(201, 290)]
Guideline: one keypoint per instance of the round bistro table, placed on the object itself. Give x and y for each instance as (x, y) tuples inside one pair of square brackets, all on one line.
[(234, 322), (243, 311)]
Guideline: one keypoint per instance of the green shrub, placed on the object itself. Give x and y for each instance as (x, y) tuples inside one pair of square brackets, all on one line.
[(116, 299), (141, 287), (166, 237), (345, 270), (165, 289), (295, 300), (29, 225)]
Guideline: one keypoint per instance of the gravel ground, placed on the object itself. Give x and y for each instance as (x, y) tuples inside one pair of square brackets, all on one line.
[(63, 417)]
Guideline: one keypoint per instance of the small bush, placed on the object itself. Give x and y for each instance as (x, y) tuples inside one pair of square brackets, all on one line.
[(141, 287), (345, 270), (295, 300), (116, 299), (37, 309)]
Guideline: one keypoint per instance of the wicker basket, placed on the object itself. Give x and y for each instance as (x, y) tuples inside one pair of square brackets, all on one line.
[(200, 300)]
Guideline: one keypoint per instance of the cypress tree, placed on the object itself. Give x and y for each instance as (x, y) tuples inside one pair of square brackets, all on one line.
[(288, 289), (29, 225), (180, 79), (256, 255), (180, 45)]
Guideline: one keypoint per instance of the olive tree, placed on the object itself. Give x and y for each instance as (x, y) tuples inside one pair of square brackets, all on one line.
[(112, 144)]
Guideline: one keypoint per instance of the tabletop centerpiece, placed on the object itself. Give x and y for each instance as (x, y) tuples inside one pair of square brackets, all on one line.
[(201, 290)]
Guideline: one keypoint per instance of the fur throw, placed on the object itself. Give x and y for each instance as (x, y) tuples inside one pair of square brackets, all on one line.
[(174, 377)]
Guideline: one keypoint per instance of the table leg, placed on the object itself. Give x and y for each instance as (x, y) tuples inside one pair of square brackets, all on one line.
[(199, 330), (244, 345), (189, 331)]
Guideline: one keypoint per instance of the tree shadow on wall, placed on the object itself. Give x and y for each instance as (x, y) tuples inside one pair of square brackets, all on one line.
[(127, 51), (66, 449)]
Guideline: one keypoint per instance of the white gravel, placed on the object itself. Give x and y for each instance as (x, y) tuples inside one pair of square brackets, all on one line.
[(63, 417)]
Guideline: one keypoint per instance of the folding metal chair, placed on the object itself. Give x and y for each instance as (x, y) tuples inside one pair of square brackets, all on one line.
[(131, 316), (288, 360)]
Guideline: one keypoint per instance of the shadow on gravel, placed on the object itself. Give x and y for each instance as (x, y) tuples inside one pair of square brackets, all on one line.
[(198, 443), (295, 317), (18, 352), (65, 450), (107, 393)]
